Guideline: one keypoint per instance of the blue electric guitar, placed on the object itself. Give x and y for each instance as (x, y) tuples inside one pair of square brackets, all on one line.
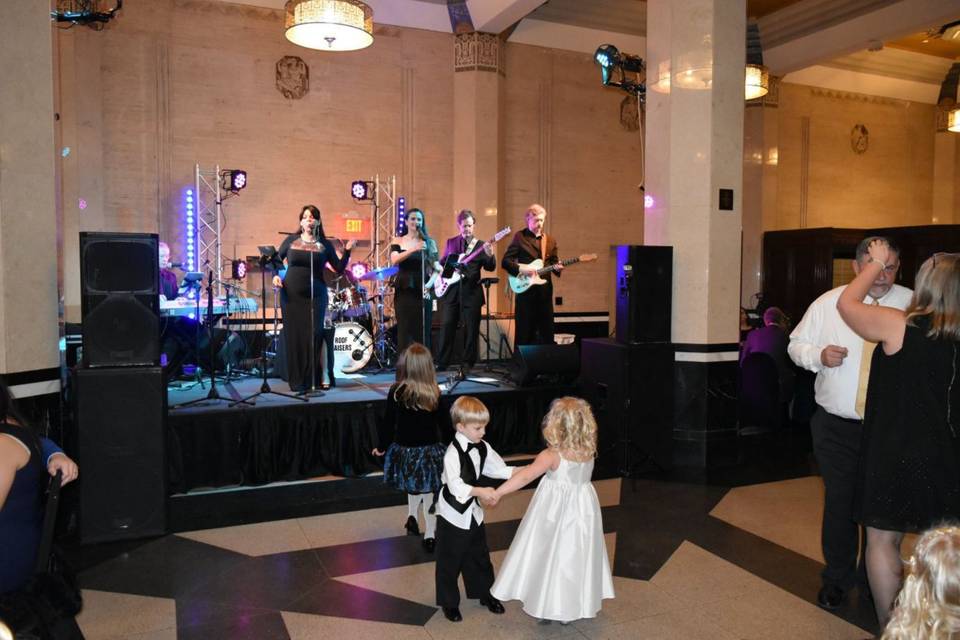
[(522, 282)]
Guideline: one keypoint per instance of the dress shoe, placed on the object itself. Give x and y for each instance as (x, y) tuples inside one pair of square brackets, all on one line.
[(413, 529), (830, 596), (429, 544), (491, 603), (452, 614)]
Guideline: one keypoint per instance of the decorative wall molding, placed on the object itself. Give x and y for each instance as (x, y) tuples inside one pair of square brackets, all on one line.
[(545, 143), (804, 169), (407, 139), (230, 9), (164, 132), (478, 52), (831, 94)]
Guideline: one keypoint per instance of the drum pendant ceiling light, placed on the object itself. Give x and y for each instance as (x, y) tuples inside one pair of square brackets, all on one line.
[(329, 25)]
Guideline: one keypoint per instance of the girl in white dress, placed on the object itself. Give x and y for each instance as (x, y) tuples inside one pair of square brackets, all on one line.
[(557, 565)]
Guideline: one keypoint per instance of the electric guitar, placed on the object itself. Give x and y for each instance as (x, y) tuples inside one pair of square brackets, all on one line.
[(522, 282), (441, 284)]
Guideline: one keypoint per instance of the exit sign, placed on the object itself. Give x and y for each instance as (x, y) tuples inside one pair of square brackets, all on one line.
[(348, 226)]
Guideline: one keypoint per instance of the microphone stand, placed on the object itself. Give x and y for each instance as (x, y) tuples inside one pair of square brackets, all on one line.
[(313, 391), (267, 260), (461, 374), (213, 394)]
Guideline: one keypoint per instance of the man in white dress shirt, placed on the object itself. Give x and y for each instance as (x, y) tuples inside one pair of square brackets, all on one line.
[(461, 536), (824, 344)]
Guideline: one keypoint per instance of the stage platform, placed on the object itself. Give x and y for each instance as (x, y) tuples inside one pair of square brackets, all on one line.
[(215, 451)]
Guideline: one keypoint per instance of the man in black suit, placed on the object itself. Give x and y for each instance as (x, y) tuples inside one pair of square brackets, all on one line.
[(464, 299), (534, 307)]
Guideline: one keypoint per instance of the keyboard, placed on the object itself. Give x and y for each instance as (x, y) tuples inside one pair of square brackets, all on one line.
[(184, 308)]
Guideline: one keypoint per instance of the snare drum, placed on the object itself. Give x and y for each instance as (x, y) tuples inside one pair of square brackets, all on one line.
[(356, 302), (352, 347)]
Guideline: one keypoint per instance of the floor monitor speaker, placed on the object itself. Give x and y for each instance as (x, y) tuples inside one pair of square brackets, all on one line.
[(546, 363)]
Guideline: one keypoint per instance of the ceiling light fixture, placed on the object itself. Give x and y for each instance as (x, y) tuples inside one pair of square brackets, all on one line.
[(756, 76), (329, 25), (948, 99)]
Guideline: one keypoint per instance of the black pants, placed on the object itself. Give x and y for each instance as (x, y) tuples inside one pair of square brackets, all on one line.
[(462, 551), (836, 445), (455, 307), (534, 309)]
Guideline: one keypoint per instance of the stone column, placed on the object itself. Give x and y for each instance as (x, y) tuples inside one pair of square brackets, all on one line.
[(760, 155), (695, 175), (478, 132), (29, 316), (946, 187)]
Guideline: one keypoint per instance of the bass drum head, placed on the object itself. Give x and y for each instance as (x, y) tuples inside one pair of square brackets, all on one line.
[(352, 347)]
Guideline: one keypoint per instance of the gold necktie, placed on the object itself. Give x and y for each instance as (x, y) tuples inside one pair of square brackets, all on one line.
[(865, 358)]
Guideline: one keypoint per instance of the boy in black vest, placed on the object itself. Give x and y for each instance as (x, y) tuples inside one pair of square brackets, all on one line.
[(461, 536)]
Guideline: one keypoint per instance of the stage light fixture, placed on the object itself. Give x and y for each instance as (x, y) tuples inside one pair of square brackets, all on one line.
[(238, 269), (401, 216), (359, 269), (233, 180), (614, 64), (362, 189)]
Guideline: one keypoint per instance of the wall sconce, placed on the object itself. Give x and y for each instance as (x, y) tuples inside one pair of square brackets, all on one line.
[(948, 97)]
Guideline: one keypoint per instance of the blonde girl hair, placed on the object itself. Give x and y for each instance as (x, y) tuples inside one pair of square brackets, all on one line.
[(928, 606), (570, 426), (937, 296), (418, 387)]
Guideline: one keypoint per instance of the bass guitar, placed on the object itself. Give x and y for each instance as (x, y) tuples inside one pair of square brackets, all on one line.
[(441, 284), (522, 282)]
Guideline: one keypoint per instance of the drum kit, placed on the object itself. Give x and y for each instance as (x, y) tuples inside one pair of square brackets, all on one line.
[(354, 314)]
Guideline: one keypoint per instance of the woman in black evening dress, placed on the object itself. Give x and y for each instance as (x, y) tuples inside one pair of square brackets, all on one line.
[(909, 470), (415, 254), (302, 252)]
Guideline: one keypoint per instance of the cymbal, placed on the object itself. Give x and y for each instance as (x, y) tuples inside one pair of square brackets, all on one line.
[(380, 274)]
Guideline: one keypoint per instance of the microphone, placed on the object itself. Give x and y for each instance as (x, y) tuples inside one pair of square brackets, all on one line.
[(176, 265)]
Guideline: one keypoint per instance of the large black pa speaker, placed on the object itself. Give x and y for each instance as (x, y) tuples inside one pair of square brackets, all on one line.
[(121, 452), (644, 293), (119, 280), (630, 387), (545, 363)]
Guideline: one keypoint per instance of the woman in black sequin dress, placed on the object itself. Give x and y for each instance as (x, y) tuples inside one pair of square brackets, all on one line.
[(909, 471), (302, 252)]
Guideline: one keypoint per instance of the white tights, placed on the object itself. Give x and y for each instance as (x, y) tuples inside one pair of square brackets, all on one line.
[(430, 519)]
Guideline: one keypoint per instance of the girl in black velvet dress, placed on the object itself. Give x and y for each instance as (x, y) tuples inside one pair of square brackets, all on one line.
[(303, 252), (415, 253), (410, 436)]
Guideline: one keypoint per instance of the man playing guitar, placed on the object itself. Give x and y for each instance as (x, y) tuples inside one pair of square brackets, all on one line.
[(534, 307), (465, 297)]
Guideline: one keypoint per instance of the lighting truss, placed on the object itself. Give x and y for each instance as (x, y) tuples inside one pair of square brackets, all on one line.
[(209, 226)]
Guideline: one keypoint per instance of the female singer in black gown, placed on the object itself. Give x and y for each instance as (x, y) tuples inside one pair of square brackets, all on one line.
[(300, 252), (415, 253)]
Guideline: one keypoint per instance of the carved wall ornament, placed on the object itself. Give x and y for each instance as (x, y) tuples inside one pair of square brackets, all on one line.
[(859, 139), (293, 77), (478, 52)]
